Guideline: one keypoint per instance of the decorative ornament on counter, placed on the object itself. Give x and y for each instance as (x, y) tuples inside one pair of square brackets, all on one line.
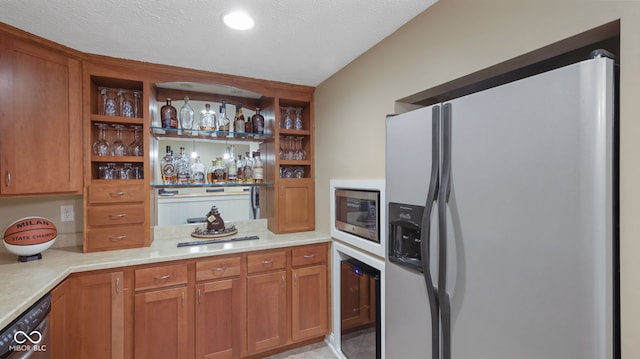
[(215, 226), (29, 236)]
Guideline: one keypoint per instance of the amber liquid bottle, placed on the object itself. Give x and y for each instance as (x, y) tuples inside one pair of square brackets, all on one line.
[(258, 122), (169, 115), (238, 121)]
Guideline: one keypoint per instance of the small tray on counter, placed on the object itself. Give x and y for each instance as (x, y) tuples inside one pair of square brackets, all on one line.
[(213, 241)]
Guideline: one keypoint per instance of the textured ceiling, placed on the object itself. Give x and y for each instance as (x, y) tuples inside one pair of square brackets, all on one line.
[(297, 41)]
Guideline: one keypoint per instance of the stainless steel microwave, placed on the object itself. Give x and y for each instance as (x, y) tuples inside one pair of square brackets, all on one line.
[(358, 212)]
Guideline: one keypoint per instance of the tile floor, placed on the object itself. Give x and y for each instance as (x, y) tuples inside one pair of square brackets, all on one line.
[(358, 344)]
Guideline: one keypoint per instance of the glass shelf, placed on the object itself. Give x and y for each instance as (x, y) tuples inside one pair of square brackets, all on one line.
[(159, 132), (221, 184)]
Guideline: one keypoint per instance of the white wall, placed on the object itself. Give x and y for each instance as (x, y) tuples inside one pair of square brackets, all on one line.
[(455, 38)]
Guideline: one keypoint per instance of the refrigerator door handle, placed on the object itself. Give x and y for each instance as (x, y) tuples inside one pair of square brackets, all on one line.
[(443, 198), (425, 232)]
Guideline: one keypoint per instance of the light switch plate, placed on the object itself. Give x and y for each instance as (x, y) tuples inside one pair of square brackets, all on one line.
[(66, 213)]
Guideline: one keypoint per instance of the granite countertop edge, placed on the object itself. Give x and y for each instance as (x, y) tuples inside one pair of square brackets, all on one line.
[(23, 284)]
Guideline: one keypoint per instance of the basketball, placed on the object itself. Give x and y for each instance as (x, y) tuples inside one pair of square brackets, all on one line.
[(30, 235)]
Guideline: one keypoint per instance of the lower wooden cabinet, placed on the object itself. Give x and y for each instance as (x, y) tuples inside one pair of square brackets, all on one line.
[(218, 313), (161, 321), (309, 303), (96, 315), (221, 307), (266, 311)]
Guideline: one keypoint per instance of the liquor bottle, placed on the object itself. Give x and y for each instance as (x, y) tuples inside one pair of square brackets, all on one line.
[(258, 169), (197, 172), (182, 167), (169, 115), (238, 120), (258, 122), (186, 115), (248, 169), (232, 171), (248, 127), (219, 171), (168, 167), (223, 120), (207, 119), (211, 172), (240, 172)]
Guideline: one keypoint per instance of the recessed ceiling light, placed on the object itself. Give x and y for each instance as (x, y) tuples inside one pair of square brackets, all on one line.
[(238, 20)]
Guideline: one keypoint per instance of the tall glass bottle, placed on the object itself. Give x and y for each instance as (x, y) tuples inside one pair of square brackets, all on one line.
[(238, 120), (186, 115), (248, 127), (207, 119), (248, 169), (258, 122), (197, 172), (232, 171), (168, 167), (258, 169), (182, 167), (169, 115), (223, 120)]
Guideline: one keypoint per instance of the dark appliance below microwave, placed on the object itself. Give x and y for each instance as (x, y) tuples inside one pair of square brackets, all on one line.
[(358, 212)]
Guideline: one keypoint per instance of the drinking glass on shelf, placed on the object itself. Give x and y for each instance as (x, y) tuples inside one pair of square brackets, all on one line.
[(298, 121), (125, 104), (117, 147), (299, 154), (298, 172), (288, 123), (101, 146), (137, 103), (135, 148)]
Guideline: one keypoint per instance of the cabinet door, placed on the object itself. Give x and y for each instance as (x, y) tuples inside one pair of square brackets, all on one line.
[(60, 311), (40, 120), (295, 208), (161, 324), (218, 314), (309, 308), (266, 311), (97, 316)]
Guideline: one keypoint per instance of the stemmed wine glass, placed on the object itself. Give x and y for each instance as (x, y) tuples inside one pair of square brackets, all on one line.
[(117, 147), (298, 121), (299, 154), (101, 146), (135, 148)]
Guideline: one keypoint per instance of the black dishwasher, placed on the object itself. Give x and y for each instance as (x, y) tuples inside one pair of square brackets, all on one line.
[(28, 335)]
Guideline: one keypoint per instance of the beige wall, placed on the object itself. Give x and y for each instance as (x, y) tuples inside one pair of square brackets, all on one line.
[(455, 38)]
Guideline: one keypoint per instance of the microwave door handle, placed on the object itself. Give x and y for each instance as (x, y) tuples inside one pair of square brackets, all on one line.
[(425, 232)]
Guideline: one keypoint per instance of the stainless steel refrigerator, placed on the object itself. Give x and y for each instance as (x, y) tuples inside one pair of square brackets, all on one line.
[(502, 215)]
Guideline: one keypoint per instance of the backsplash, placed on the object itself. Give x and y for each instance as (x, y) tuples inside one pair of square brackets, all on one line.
[(69, 233)]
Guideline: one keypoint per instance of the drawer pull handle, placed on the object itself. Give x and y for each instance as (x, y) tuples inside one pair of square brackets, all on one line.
[(117, 238), (118, 216), (219, 269), (7, 179), (309, 256), (162, 277), (267, 261), (117, 194)]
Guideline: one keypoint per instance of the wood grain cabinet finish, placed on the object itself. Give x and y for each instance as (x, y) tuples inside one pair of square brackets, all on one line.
[(96, 315), (161, 323), (309, 302), (266, 311), (218, 310), (40, 119)]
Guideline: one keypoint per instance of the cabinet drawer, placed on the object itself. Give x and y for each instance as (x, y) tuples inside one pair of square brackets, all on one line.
[(120, 237), (116, 192), (262, 262), (305, 255), (118, 214), (218, 268), (159, 277)]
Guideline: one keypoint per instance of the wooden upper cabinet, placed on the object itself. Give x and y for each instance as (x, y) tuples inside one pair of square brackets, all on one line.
[(40, 120)]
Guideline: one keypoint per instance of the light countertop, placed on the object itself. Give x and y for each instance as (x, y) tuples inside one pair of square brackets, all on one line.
[(22, 284)]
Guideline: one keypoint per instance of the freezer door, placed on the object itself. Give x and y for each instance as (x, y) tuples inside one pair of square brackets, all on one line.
[(408, 320), (529, 218)]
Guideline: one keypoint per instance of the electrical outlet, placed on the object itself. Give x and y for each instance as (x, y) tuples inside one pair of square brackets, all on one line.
[(66, 213)]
